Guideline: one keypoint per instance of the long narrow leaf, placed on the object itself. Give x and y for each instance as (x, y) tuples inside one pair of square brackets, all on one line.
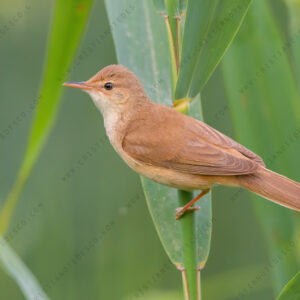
[(15, 267), (209, 29), (69, 20), (145, 51)]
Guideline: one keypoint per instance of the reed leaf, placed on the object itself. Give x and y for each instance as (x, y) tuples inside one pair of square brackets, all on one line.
[(210, 27), (146, 52), (23, 277), (69, 20)]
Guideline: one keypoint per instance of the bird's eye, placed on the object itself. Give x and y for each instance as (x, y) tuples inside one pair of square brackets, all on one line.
[(108, 86)]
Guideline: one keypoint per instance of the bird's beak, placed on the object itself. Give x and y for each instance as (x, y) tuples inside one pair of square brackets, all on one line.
[(79, 85)]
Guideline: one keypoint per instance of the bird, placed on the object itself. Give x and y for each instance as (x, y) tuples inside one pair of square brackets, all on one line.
[(175, 149)]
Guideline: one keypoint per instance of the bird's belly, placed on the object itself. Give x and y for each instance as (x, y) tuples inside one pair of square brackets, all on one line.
[(172, 178)]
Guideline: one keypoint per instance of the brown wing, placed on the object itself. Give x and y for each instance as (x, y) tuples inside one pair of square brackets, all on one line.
[(160, 136)]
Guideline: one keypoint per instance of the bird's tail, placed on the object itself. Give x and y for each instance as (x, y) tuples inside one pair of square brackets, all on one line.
[(274, 187)]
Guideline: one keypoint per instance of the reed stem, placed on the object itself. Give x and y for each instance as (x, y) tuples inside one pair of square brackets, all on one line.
[(190, 274)]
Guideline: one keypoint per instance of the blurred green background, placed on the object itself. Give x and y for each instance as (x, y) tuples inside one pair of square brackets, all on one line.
[(81, 189)]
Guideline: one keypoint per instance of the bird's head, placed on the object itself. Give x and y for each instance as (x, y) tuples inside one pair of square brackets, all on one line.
[(113, 89)]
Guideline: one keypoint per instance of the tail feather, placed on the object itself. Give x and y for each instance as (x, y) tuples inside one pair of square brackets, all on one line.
[(274, 187)]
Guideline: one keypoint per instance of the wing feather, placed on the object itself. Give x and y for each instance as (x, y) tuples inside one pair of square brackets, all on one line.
[(162, 137)]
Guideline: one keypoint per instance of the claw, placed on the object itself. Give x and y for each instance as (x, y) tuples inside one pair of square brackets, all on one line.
[(180, 211)]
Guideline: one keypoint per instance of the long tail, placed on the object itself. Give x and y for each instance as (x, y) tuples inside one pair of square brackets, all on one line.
[(274, 187)]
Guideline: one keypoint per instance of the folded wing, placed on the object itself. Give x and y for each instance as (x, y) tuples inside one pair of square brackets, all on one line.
[(162, 137)]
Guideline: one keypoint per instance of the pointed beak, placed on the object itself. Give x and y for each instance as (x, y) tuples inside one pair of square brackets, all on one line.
[(78, 85)]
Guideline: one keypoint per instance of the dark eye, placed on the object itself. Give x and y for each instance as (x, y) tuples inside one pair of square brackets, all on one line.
[(108, 86)]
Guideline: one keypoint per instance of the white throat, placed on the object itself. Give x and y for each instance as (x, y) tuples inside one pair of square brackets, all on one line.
[(111, 113)]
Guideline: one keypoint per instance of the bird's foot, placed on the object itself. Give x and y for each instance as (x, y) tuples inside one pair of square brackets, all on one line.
[(180, 211)]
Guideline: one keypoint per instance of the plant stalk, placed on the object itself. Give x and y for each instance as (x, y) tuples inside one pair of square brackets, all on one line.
[(173, 55), (191, 273)]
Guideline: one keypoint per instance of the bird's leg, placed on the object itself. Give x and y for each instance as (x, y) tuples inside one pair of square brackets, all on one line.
[(180, 211)]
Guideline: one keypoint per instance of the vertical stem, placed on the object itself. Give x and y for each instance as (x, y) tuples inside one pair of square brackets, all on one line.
[(178, 41), (199, 284), (191, 275), (173, 55)]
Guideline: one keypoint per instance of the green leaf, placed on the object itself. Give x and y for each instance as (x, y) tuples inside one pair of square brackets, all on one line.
[(162, 203), (209, 29), (145, 51), (15, 267), (292, 290), (69, 20), (265, 107)]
